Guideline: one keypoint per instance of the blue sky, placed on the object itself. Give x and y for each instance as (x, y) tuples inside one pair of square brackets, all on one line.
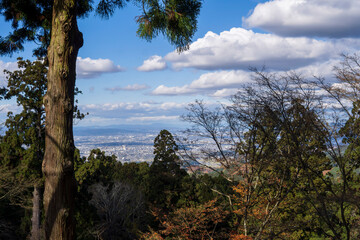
[(126, 80)]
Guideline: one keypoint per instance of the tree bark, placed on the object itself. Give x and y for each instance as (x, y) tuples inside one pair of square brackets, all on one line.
[(35, 219), (58, 167)]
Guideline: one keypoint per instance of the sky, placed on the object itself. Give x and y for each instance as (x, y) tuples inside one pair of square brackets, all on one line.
[(127, 80)]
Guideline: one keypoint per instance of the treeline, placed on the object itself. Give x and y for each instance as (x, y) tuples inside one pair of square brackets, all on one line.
[(284, 155)]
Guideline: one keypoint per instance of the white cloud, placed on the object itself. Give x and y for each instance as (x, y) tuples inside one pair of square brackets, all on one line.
[(134, 106), (320, 18), (92, 120), (214, 80), (172, 105), (208, 82), (226, 83), (154, 63), (115, 113), (169, 91), (85, 68), (240, 49), (225, 92), (323, 69), (91, 68), (134, 87)]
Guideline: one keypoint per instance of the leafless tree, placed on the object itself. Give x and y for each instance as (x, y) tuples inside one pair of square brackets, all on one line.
[(117, 206), (278, 133)]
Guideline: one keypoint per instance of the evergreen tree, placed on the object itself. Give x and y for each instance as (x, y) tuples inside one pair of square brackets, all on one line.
[(54, 24), (23, 144), (165, 151), (166, 173)]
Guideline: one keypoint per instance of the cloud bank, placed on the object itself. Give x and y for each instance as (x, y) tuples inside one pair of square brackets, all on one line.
[(226, 83), (133, 107), (112, 113), (208, 82), (313, 18), (240, 49)]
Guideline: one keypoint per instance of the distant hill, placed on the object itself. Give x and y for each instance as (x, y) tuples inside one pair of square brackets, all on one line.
[(121, 129)]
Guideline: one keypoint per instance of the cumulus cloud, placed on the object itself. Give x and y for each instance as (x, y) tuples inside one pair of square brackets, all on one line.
[(226, 83), (91, 68), (208, 82), (173, 91), (316, 18), (154, 63), (134, 87), (240, 49)]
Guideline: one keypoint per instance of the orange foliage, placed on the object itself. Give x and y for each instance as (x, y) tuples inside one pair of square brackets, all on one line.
[(152, 236), (255, 207), (192, 223), (240, 237)]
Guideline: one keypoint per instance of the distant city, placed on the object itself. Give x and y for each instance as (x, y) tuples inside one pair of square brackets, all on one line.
[(128, 143), (126, 147)]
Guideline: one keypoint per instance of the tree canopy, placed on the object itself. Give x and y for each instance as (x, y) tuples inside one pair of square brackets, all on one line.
[(53, 24), (31, 21)]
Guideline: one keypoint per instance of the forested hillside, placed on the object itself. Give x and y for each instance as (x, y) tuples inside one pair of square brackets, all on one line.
[(283, 164), (268, 152)]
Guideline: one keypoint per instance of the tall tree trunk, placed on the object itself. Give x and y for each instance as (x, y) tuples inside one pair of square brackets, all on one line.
[(58, 167), (35, 219)]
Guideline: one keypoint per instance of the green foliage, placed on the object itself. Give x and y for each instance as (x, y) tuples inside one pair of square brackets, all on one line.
[(31, 21), (24, 141), (176, 19), (283, 156), (165, 172), (97, 167), (137, 174), (23, 144), (106, 8), (165, 149), (351, 134)]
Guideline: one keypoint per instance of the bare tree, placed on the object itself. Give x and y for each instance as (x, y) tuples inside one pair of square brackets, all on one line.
[(118, 206), (277, 137)]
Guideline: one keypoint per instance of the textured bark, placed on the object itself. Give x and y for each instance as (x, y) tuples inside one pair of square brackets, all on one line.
[(58, 166), (35, 219)]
